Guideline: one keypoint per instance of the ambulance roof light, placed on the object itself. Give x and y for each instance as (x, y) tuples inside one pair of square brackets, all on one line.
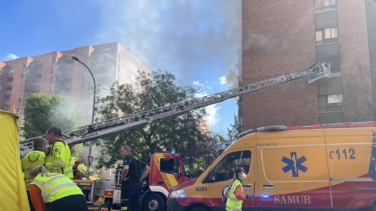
[(334, 124), (245, 133), (272, 128), (362, 123)]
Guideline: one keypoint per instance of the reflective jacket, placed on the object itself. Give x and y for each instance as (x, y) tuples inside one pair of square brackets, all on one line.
[(31, 159), (58, 159), (55, 186), (234, 204)]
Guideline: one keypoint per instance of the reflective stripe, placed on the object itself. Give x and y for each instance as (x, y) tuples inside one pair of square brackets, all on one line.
[(232, 198), (232, 209), (53, 190), (45, 187)]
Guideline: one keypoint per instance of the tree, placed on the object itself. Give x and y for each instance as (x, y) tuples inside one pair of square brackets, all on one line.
[(43, 111), (359, 103), (157, 89), (233, 131)]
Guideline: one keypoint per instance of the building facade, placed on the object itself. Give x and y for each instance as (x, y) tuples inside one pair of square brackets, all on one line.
[(56, 72), (284, 36)]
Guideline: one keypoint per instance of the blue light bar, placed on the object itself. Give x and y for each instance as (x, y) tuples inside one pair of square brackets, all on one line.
[(265, 195)]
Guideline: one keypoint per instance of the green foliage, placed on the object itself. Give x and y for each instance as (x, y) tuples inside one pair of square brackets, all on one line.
[(158, 89), (43, 111)]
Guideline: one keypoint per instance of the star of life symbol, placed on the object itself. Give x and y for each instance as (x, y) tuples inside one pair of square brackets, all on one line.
[(294, 164)]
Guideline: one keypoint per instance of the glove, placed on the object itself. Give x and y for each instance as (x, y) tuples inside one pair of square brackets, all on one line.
[(249, 196)]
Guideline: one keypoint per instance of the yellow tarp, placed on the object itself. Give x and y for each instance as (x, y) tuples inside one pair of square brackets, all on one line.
[(12, 186)]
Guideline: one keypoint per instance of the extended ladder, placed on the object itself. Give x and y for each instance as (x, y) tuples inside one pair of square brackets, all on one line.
[(316, 73)]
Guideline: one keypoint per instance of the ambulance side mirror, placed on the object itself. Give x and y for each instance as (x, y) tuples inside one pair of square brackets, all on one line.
[(212, 176)]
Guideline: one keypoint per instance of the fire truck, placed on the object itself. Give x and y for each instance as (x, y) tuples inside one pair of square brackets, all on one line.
[(167, 169)]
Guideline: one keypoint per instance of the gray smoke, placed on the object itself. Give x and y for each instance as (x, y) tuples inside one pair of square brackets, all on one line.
[(187, 38), (259, 43)]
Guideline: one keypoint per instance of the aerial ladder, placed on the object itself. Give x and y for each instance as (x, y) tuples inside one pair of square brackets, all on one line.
[(154, 193), (316, 73)]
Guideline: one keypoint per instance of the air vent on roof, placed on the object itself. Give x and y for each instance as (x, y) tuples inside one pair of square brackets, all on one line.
[(245, 133), (272, 128)]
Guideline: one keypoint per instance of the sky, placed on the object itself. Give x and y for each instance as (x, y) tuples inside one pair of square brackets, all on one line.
[(197, 41)]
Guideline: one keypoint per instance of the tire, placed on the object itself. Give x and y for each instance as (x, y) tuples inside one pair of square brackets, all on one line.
[(198, 209), (104, 205), (154, 202)]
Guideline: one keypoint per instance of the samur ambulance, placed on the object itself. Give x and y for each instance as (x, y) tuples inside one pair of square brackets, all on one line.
[(318, 167)]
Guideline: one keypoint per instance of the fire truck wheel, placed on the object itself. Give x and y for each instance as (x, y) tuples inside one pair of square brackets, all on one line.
[(154, 202), (198, 209)]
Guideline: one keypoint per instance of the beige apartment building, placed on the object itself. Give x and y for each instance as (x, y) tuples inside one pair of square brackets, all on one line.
[(57, 72)]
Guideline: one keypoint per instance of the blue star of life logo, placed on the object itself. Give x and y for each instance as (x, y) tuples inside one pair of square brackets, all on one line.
[(294, 164)]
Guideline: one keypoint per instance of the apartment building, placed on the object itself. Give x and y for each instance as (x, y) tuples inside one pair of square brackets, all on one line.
[(284, 36), (56, 72)]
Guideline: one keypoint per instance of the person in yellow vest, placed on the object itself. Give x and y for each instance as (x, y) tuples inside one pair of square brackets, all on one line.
[(236, 196), (55, 192), (59, 155), (31, 159)]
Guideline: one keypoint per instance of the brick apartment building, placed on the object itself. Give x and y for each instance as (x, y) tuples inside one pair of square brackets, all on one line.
[(284, 36), (57, 72)]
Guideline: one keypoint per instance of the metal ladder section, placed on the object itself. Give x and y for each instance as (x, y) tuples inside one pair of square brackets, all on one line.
[(315, 73)]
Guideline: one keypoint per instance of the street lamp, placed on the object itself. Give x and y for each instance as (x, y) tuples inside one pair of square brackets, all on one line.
[(92, 117)]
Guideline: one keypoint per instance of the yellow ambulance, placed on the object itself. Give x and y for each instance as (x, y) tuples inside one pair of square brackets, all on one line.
[(317, 167)]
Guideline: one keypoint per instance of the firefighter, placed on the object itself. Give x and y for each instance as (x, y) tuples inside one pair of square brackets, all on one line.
[(31, 159), (236, 197), (55, 192), (134, 172), (59, 155)]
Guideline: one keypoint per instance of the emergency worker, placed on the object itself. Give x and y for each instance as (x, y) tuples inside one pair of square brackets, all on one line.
[(31, 159), (236, 197), (55, 192), (59, 155), (134, 172)]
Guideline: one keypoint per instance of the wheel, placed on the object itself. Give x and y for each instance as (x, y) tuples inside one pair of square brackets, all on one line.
[(104, 207), (198, 209), (155, 202)]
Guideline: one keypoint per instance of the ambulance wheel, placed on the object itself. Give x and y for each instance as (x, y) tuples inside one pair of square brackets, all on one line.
[(373, 205), (154, 202)]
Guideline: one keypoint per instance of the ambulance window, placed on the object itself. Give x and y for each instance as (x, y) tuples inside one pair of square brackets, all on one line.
[(224, 169)]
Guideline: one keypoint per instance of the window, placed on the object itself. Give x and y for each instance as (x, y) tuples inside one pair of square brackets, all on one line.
[(50, 90), (27, 84), (224, 169), (23, 74), (23, 65), (22, 84), (53, 60), (335, 99), (11, 71), (1, 71), (67, 80), (51, 79), (19, 102), (103, 56), (1, 79), (9, 87), (69, 61), (7, 96), (38, 75), (325, 5), (39, 66), (68, 71), (6, 105), (52, 70), (326, 35), (26, 93), (168, 165), (28, 75), (37, 84), (21, 93), (10, 79)]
